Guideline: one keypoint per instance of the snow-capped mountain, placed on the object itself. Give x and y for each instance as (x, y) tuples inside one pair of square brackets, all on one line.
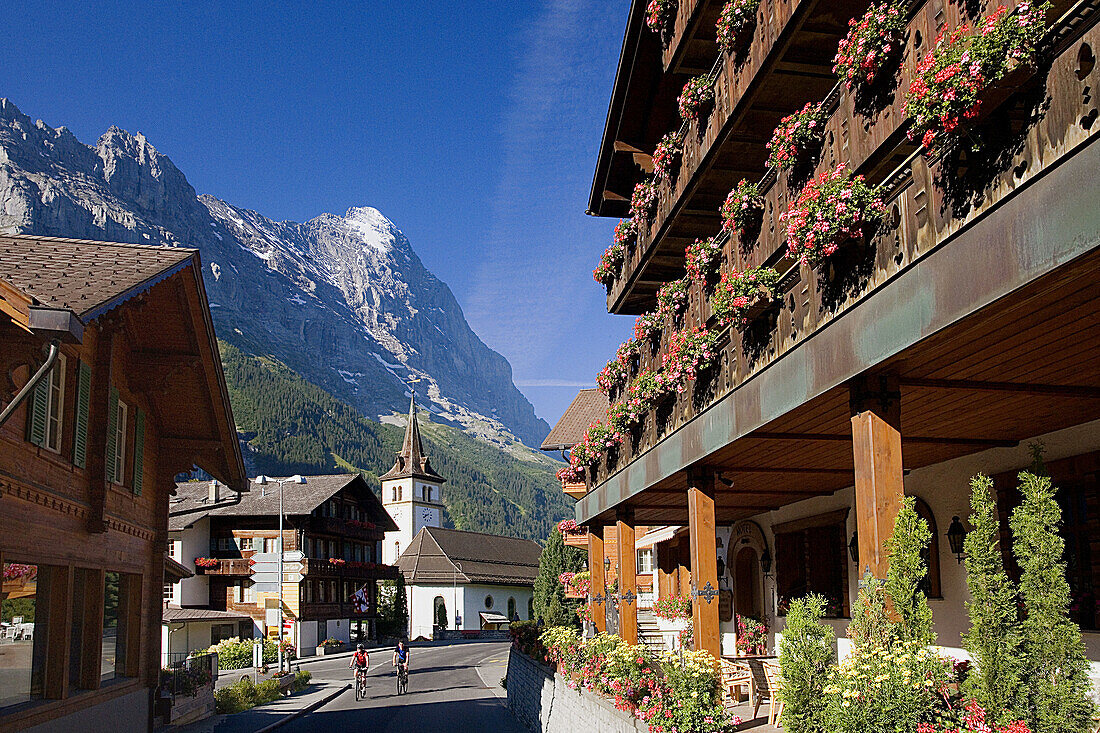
[(342, 300)]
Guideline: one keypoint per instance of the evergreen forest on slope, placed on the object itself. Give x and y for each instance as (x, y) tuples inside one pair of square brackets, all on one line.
[(288, 425)]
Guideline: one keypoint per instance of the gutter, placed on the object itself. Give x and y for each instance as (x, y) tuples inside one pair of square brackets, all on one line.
[(57, 324)]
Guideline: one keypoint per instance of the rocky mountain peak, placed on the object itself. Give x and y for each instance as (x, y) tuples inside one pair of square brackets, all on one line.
[(344, 301)]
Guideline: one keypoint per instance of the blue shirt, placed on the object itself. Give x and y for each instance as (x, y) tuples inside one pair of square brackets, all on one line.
[(402, 654)]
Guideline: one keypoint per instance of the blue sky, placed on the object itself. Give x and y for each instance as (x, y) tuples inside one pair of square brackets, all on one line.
[(473, 126)]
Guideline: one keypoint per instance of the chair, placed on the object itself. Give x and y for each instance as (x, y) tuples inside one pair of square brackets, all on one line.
[(774, 677), (733, 676)]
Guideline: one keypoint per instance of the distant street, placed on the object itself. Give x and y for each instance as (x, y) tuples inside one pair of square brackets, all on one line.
[(446, 693)]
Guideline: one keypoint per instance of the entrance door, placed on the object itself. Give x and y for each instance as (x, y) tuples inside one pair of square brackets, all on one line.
[(748, 591)]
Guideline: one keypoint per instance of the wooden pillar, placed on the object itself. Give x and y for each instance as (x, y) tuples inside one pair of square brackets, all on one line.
[(664, 566), (597, 581), (704, 561), (57, 582), (628, 578), (98, 406), (90, 587), (876, 445)]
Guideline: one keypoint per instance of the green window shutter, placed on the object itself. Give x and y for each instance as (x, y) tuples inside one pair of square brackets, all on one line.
[(37, 408), (112, 427), (139, 450), (83, 398)]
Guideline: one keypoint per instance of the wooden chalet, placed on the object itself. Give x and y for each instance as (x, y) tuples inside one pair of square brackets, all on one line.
[(966, 326), (131, 393), (335, 521)]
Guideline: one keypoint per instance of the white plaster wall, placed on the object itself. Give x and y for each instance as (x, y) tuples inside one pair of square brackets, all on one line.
[(194, 542), (306, 640), (475, 602), (946, 489), (183, 638), (422, 607)]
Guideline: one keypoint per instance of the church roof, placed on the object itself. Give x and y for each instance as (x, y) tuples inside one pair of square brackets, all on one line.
[(449, 555), (411, 461)]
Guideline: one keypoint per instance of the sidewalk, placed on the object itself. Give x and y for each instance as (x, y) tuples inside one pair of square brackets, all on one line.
[(270, 716)]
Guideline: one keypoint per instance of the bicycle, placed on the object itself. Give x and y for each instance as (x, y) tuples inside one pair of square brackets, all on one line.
[(360, 685), (402, 679)]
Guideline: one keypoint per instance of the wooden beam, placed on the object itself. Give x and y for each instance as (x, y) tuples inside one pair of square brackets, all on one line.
[(90, 589), (55, 588), (916, 440), (1052, 390), (787, 469), (98, 404), (876, 448), (704, 561), (628, 577), (597, 581)]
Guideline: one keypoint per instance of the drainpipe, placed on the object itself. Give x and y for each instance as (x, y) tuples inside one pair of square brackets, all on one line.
[(51, 359)]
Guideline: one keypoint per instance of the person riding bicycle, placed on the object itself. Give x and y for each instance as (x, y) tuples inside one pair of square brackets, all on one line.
[(401, 656), (360, 661)]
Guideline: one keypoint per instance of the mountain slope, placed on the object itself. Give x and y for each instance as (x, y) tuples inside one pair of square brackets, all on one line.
[(342, 300), (290, 426)]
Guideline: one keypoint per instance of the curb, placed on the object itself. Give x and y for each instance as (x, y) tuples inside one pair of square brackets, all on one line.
[(306, 710)]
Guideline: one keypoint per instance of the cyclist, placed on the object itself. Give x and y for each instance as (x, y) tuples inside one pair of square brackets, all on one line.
[(401, 656), (360, 662)]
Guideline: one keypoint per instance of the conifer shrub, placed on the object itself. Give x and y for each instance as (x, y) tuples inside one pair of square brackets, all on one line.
[(805, 654), (994, 636), (907, 572), (551, 605), (1053, 650)]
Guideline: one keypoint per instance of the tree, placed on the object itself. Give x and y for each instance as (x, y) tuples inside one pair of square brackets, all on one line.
[(994, 637), (906, 574), (400, 614), (551, 605), (1054, 653)]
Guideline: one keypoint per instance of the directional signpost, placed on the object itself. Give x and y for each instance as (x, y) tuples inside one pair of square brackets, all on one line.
[(265, 572)]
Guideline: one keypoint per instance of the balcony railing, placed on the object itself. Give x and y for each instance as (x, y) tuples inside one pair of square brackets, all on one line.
[(348, 528), (320, 611), (924, 209), (223, 566), (321, 568)]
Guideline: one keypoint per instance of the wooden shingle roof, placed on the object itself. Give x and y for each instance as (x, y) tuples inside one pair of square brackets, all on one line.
[(86, 277), (263, 501), (450, 555), (588, 406)]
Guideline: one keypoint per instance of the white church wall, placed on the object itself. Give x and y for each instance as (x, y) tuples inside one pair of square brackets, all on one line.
[(422, 607)]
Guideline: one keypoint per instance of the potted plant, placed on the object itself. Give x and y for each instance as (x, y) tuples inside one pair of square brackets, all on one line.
[(742, 207), (690, 352), (659, 15), (871, 40), (643, 201), (742, 296), (832, 209), (796, 135), (667, 154), (737, 17), (672, 298), (648, 326), (610, 264), (329, 646), (962, 65), (702, 258), (697, 94)]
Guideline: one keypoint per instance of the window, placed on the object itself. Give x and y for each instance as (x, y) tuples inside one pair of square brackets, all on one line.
[(531, 609), (170, 594), (931, 554), (307, 591), (120, 601), (245, 592), (269, 544), (116, 439), (511, 608), (488, 601), (221, 632), (23, 612), (645, 560), (811, 557), (246, 543), (56, 405), (396, 550), (45, 411), (1077, 484)]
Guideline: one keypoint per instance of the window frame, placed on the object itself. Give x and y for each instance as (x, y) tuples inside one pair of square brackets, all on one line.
[(118, 471), (55, 407)]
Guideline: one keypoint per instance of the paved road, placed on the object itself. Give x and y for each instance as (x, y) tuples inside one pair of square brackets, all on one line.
[(446, 693)]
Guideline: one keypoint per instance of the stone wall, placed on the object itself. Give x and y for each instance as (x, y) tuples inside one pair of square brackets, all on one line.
[(544, 703)]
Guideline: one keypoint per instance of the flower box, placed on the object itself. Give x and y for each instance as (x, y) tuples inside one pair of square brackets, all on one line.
[(325, 649)]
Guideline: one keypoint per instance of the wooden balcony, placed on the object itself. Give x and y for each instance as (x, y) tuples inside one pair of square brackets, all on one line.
[(928, 206), (319, 568), (232, 566), (345, 528), (752, 93), (323, 611)]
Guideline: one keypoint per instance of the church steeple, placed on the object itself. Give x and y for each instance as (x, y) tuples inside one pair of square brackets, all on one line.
[(411, 461)]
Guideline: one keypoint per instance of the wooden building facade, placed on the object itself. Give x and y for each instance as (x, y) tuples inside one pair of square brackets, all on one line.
[(335, 521), (134, 396), (957, 330)]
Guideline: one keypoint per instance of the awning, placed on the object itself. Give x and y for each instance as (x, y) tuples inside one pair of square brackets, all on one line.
[(655, 537), (489, 617)]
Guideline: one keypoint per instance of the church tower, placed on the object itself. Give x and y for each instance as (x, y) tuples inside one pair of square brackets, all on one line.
[(412, 492)]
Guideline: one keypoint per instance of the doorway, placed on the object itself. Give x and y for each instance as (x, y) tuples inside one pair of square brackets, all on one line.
[(748, 590)]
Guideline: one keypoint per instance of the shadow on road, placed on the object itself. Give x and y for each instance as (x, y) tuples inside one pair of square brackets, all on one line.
[(475, 716)]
